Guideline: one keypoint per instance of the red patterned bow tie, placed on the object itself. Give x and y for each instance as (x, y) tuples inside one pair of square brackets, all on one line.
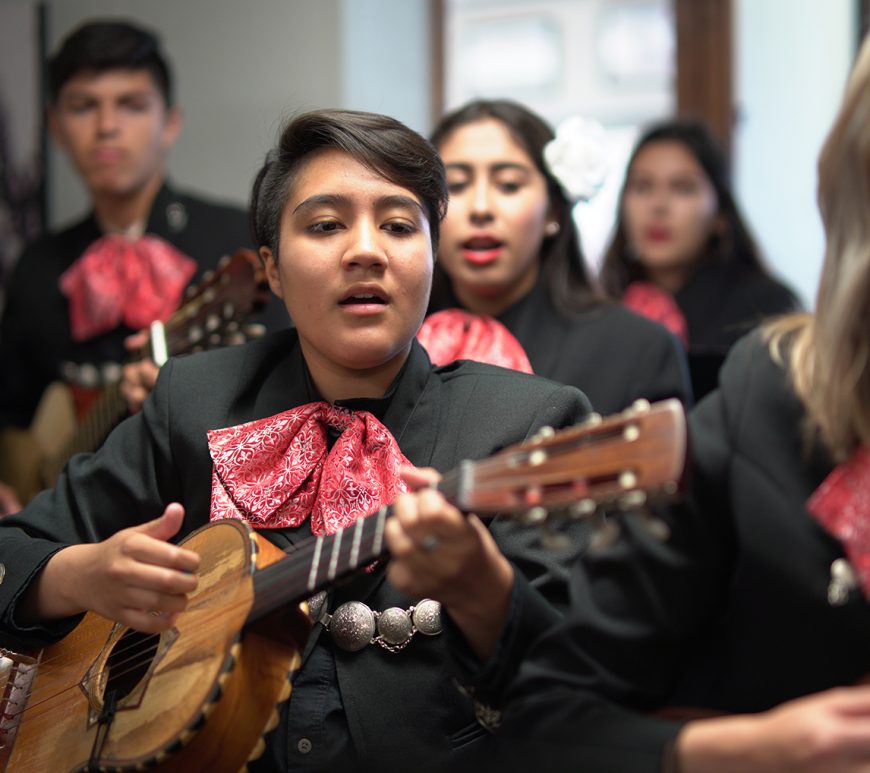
[(454, 334), (842, 505), (654, 303), (273, 472), (122, 280)]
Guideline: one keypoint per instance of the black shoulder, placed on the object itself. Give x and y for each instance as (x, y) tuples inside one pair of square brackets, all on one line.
[(202, 206), (71, 238), (227, 363), (634, 326), (771, 296), (198, 225), (506, 386), (751, 377)]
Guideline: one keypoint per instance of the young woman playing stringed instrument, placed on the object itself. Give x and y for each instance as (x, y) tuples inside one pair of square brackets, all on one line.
[(755, 613), (299, 434)]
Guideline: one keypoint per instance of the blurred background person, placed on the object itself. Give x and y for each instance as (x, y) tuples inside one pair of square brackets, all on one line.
[(681, 251), (76, 294), (510, 250)]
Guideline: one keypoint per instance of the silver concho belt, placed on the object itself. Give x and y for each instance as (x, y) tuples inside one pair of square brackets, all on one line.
[(354, 625)]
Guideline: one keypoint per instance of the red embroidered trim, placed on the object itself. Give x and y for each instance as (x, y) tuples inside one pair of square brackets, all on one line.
[(121, 280), (654, 303), (454, 334), (841, 504), (273, 472)]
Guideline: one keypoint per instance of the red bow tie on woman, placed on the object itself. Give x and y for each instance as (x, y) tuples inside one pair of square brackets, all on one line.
[(134, 281), (273, 472), (454, 334), (654, 303), (841, 504)]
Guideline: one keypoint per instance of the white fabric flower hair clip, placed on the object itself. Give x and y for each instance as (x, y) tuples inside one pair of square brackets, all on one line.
[(577, 157)]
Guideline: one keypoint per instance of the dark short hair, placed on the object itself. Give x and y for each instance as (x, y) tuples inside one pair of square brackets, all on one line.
[(98, 46), (380, 143), (562, 261)]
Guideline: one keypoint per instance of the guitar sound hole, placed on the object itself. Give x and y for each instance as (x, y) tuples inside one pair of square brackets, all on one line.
[(129, 661)]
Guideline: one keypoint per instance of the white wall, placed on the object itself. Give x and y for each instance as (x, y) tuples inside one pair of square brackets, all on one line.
[(387, 53), (792, 59), (241, 67)]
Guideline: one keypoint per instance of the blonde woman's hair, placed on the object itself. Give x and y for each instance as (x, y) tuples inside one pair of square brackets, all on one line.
[(828, 354)]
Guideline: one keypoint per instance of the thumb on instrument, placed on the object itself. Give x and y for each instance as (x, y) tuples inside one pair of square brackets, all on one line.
[(167, 525)]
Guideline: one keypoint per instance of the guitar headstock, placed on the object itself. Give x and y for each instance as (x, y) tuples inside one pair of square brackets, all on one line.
[(617, 462), (214, 311)]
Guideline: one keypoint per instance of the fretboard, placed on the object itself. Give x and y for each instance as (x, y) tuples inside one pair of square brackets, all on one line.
[(318, 562)]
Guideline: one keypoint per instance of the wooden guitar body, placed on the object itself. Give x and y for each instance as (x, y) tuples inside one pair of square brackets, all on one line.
[(198, 697)]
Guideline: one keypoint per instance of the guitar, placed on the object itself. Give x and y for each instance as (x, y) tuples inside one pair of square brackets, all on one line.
[(211, 316), (203, 693)]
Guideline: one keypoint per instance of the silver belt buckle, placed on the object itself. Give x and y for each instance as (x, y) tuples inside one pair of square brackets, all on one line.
[(355, 625)]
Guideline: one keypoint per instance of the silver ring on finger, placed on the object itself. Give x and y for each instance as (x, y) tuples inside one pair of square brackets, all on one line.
[(429, 543)]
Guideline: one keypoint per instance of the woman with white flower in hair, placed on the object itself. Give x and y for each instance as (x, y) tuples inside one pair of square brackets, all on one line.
[(510, 251)]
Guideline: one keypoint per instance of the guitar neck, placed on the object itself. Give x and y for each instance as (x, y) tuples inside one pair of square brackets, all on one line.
[(319, 562), (106, 412)]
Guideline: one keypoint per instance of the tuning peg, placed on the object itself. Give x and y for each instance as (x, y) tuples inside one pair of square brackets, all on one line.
[(537, 457), (194, 334), (583, 509), (224, 261), (630, 433), (640, 406), (656, 527), (606, 533), (633, 500), (212, 323), (208, 276), (254, 330), (532, 495), (229, 310), (556, 541), (627, 479), (534, 516), (542, 434), (592, 419)]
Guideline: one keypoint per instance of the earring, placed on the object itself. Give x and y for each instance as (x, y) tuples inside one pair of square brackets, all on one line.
[(552, 228)]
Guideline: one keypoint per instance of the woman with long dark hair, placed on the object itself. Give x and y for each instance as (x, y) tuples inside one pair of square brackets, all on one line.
[(679, 234)]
